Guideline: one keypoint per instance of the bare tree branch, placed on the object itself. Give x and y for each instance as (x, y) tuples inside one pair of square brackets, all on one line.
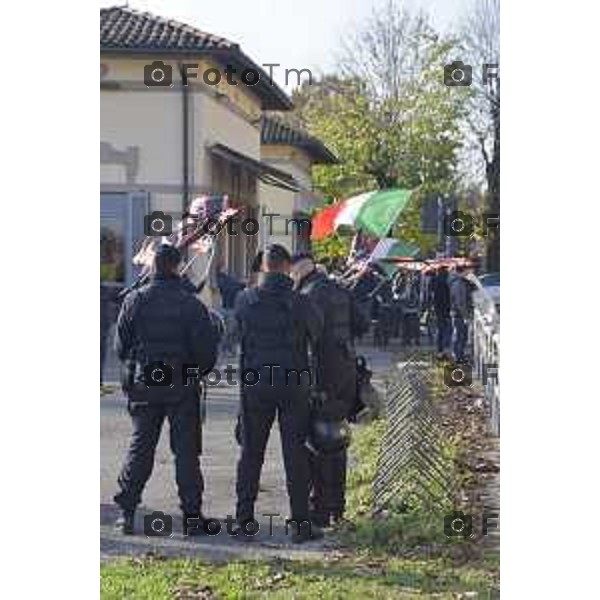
[(390, 51)]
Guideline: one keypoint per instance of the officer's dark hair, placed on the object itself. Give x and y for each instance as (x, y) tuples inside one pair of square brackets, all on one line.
[(301, 256), (276, 258), (166, 259), (257, 262)]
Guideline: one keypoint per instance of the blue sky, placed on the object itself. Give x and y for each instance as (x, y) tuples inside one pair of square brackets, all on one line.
[(295, 33)]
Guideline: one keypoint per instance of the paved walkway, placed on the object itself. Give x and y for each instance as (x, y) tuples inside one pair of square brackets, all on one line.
[(218, 467)]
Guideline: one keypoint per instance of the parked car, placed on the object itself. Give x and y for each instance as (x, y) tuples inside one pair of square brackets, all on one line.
[(491, 284)]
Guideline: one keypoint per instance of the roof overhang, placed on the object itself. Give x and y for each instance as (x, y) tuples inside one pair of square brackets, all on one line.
[(275, 131), (263, 171)]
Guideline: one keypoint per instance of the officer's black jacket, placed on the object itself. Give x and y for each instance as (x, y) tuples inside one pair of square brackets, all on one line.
[(164, 321), (337, 359), (277, 326)]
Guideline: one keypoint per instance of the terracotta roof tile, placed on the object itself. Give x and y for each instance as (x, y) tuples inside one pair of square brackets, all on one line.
[(124, 30), (277, 132)]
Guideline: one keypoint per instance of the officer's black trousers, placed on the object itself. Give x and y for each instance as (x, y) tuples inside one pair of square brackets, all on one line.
[(328, 483), (256, 418), (147, 424)]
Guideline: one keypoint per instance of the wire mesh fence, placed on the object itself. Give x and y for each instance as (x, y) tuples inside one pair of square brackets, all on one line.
[(414, 468)]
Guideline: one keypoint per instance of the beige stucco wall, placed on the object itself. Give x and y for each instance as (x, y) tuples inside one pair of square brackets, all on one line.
[(292, 160), (221, 125), (275, 200), (148, 122)]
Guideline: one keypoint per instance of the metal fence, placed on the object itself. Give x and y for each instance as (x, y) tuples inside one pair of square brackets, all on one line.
[(413, 468), (486, 353)]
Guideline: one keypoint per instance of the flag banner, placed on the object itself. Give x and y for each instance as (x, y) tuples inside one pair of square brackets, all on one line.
[(380, 211), (383, 248), (349, 212), (374, 213), (390, 247), (323, 221)]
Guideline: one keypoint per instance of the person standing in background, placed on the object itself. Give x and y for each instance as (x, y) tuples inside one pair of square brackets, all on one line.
[(255, 269), (229, 288), (411, 311), (441, 305), (459, 300)]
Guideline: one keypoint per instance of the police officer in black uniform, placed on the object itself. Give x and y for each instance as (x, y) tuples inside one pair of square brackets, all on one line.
[(163, 328), (277, 327), (337, 381)]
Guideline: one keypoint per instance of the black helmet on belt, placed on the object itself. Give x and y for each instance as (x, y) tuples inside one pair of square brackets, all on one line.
[(329, 437)]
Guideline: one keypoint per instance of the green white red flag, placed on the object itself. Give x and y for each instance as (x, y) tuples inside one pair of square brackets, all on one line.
[(373, 213)]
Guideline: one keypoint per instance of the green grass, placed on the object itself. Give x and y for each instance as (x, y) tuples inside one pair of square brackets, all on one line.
[(341, 578), (396, 530), (414, 531)]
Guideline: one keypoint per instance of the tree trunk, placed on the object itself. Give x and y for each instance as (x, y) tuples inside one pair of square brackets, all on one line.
[(493, 196)]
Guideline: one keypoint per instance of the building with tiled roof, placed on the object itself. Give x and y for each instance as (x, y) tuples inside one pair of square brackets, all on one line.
[(124, 31), (275, 131), (170, 133)]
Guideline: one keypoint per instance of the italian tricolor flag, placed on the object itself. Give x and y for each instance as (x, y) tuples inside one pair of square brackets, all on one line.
[(374, 213)]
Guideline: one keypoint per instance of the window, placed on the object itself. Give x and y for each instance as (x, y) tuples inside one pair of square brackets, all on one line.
[(121, 231), (112, 253)]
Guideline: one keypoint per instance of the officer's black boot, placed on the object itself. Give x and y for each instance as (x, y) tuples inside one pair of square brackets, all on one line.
[(319, 518), (337, 518), (304, 533), (125, 523), (244, 529)]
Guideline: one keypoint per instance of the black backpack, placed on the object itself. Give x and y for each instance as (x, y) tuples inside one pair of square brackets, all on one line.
[(338, 357), (270, 330)]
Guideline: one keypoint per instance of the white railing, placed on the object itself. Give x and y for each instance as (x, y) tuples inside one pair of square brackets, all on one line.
[(486, 353)]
